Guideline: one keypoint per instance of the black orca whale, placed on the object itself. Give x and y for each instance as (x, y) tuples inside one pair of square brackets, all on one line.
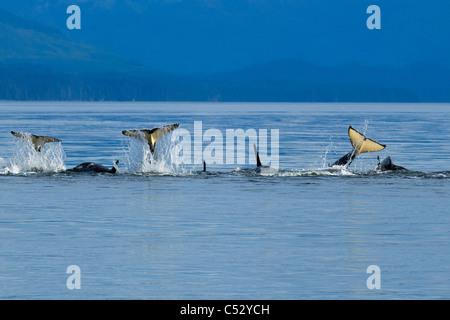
[(259, 167), (150, 136), (37, 141), (95, 167), (360, 144), (388, 165)]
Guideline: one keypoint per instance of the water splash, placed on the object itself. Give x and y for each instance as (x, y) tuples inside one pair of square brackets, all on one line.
[(319, 172), (329, 148), (365, 127), (165, 160), (3, 166), (25, 159)]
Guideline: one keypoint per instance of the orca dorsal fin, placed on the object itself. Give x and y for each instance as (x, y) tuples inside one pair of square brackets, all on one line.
[(204, 166), (258, 161), (361, 144)]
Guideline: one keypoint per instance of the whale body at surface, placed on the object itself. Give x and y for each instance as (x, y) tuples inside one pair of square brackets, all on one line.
[(95, 167), (388, 165)]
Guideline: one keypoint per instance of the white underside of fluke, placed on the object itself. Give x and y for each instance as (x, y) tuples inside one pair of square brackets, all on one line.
[(361, 144)]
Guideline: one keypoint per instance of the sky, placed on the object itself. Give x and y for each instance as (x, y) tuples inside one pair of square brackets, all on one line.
[(209, 36)]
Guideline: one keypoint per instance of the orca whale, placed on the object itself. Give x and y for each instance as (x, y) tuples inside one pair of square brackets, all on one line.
[(388, 165), (95, 167), (360, 144), (150, 136), (259, 167), (37, 141)]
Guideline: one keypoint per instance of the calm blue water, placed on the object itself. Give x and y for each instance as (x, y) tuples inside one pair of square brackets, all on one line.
[(166, 231)]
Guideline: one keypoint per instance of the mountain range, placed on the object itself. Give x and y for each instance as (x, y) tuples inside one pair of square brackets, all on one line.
[(39, 62)]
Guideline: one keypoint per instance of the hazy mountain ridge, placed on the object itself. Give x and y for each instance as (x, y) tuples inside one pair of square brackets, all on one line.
[(41, 63)]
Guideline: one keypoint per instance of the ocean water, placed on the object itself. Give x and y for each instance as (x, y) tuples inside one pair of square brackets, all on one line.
[(166, 230)]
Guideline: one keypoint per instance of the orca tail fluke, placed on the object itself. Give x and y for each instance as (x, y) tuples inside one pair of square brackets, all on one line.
[(360, 144), (150, 136), (37, 141), (258, 161), (18, 135)]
